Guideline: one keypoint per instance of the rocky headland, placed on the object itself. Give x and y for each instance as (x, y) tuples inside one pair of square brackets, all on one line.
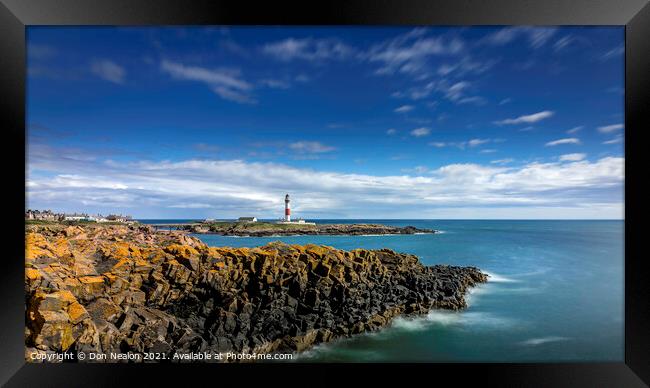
[(265, 229), (132, 290)]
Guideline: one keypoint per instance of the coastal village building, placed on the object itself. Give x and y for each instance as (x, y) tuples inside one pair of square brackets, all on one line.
[(247, 219), (78, 217), (44, 215), (118, 218), (48, 215)]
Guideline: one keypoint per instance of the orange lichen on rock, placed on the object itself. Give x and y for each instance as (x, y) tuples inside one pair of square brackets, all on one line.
[(32, 275), (36, 246), (107, 288)]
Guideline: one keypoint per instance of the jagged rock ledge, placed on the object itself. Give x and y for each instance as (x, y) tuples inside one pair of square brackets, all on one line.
[(265, 229), (127, 289)]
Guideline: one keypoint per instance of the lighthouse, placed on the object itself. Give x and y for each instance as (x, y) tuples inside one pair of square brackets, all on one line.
[(287, 209)]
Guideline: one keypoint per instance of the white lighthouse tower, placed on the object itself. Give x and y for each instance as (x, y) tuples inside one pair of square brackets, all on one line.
[(287, 209)]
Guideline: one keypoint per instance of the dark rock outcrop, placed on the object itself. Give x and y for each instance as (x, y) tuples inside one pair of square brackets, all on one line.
[(131, 290), (265, 229)]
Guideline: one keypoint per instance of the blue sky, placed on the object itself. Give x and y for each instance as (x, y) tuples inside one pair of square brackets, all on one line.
[(355, 122)]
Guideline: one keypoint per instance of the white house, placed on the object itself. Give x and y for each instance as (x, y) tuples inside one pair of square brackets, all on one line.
[(77, 217)]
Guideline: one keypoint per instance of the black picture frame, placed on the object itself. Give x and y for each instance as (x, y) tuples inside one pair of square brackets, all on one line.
[(15, 15)]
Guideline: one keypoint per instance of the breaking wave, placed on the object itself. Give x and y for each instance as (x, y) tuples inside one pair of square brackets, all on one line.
[(496, 278), (542, 340), (467, 320)]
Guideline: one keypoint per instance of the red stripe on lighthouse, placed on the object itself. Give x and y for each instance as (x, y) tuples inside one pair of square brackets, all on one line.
[(287, 211)]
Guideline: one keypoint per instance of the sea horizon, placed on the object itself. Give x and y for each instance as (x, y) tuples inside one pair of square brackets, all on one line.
[(403, 219)]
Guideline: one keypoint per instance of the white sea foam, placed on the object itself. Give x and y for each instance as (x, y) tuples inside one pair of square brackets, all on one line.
[(464, 320), (444, 318), (490, 321), (493, 277), (481, 289), (542, 340), (472, 294), (473, 320), (409, 324), (417, 323)]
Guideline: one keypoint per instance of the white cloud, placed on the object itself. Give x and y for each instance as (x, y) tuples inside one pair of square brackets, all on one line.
[(570, 140), (613, 53), (455, 91), (617, 140), (574, 129), (488, 151), (469, 143), (409, 53), (418, 92), (417, 170), (563, 43), (228, 44), (404, 108), (527, 119), (191, 206), (502, 36), (537, 36), (572, 157), (310, 147), (108, 71), (275, 83), (233, 95), (225, 77), (226, 83), (391, 131), (419, 132), (610, 128), (477, 142), (234, 187), (505, 101), (476, 100), (465, 66), (502, 161), (308, 49)]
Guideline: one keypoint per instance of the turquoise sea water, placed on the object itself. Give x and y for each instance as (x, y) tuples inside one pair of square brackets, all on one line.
[(556, 292)]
